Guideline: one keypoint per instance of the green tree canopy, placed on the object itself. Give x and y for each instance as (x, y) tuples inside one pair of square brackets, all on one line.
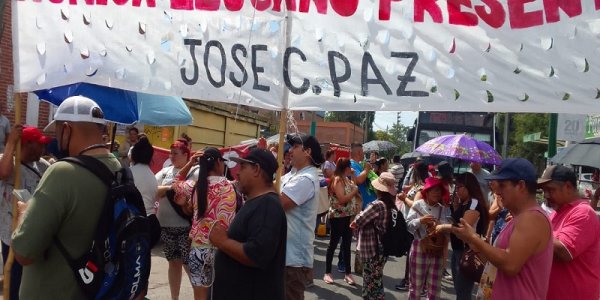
[(521, 125)]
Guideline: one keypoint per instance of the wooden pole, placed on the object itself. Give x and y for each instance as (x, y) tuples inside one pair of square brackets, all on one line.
[(284, 112), (280, 147), (17, 171)]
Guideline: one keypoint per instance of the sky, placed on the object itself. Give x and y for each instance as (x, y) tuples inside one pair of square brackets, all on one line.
[(388, 118)]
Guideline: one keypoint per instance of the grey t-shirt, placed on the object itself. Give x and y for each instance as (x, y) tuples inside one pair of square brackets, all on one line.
[(167, 217), (29, 181), (4, 131)]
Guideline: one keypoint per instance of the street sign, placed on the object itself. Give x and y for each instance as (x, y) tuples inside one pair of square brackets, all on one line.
[(571, 127), (532, 137)]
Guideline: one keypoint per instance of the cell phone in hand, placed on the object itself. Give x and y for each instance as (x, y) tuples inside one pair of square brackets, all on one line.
[(22, 194), (452, 221)]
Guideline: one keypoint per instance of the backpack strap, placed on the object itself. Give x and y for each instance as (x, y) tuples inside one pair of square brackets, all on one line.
[(99, 169), (93, 165)]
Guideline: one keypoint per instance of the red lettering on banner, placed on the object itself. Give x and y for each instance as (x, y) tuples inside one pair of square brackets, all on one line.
[(571, 7), (521, 19), (234, 5), (385, 7), (431, 7), (289, 4), (458, 17), (120, 2), (88, 2), (344, 8), (495, 18), (597, 4), (210, 5), (138, 3), (261, 5), (320, 4), (56, 1), (182, 4)]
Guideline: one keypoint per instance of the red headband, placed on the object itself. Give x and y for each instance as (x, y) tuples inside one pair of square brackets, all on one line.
[(181, 146)]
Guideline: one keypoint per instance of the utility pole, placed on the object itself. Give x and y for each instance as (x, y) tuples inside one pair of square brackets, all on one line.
[(365, 133), (398, 127), (505, 135), (552, 135)]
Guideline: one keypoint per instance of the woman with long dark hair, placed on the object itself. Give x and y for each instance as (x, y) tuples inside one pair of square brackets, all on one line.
[(214, 201), (468, 203), (342, 208), (372, 224), (141, 156)]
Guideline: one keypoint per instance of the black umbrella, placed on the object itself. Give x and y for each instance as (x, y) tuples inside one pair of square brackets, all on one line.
[(586, 153)]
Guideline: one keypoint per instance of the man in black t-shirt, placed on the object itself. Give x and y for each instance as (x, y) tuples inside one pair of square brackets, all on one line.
[(250, 262)]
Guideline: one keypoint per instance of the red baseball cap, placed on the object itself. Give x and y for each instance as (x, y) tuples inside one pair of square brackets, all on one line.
[(32, 134)]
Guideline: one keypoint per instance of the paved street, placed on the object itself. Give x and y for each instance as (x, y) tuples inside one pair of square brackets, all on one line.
[(394, 270)]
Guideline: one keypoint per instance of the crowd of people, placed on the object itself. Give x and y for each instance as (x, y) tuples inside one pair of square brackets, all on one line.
[(245, 238)]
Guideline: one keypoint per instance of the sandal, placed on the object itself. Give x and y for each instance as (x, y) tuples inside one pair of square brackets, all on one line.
[(328, 279), (349, 280)]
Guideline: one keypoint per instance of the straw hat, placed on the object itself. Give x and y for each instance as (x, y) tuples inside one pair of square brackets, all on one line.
[(385, 183)]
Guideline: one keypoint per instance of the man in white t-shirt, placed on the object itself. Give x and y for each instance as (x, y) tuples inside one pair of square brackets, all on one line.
[(300, 198)]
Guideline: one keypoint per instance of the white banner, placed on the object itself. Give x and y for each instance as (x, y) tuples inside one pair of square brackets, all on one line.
[(571, 127), (460, 55)]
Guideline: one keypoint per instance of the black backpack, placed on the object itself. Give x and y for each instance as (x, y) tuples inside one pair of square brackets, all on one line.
[(117, 265), (396, 239)]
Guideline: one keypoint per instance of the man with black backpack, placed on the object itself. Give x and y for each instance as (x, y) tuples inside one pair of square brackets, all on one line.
[(63, 216)]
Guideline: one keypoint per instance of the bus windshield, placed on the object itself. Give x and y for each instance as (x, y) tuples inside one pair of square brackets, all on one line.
[(430, 125)]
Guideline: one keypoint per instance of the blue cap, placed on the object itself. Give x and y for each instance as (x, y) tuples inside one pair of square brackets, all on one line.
[(515, 169)]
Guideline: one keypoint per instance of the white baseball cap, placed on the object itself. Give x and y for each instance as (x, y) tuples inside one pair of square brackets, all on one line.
[(77, 109)]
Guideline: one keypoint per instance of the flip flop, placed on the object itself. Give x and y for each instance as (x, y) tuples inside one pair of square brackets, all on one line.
[(349, 281)]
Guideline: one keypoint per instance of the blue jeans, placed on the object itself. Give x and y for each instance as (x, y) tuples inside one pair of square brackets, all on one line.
[(462, 285), (15, 273)]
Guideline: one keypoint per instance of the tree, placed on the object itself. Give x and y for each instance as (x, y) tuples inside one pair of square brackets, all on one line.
[(383, 136), (398, 133), (521, 125), (357, 118), (395, 135)]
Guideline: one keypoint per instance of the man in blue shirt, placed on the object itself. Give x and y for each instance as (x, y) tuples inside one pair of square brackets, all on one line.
[(361, 174)]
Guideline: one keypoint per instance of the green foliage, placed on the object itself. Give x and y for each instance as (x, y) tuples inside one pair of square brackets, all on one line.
[(383, 136), (522, 124), (397, 135)]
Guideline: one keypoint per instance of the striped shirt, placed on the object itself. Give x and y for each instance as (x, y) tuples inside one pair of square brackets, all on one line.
[(371, 224), (398, 171)]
